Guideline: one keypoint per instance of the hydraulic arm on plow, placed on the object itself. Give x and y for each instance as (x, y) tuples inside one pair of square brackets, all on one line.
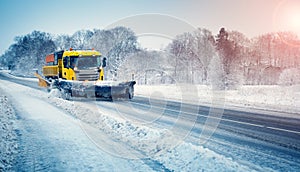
[(80, 73)]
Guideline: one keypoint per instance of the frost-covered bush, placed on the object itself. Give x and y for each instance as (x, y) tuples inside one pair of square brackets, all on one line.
[(290, 77), (219, 80), (234, 79)]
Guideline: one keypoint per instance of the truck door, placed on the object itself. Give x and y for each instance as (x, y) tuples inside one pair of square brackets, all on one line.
[(65, 68)]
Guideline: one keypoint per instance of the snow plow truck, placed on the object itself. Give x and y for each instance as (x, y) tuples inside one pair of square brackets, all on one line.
[(80, 73)]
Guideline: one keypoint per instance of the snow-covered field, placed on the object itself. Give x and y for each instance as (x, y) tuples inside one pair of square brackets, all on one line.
[(275, 98)]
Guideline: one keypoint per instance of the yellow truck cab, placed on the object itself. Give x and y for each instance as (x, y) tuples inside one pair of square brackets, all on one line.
[(78, 65), (75, 74)]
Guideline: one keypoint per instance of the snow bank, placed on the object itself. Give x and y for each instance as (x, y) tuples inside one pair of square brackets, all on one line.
[(278, 98), (161, 146), (9, 74), (188, 157), (8, 138), (157, 144)]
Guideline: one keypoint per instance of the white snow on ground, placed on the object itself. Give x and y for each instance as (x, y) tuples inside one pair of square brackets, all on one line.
[(154, 143), (143, 141), (188, 157), (276, 98), (8, 142), (140, 141), (52, 140), (7, 73), (265, 97), (146, 142)]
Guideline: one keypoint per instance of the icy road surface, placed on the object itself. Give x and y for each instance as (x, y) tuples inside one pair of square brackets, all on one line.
[(58, 135), (50, 139), (148, 134)]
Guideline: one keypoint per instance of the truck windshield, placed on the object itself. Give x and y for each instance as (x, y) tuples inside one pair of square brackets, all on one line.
[(85, 62)]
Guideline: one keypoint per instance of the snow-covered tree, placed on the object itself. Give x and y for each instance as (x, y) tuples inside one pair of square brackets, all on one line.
[(203, 49), (62, 42), (28, 52), (79, 40), (266, 59), (272, 51), (147, 67), (193, 52), (216, 73), (116, 44), (230, 54)]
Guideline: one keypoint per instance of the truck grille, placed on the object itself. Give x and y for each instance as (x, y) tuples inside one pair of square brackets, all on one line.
[(90, 75)]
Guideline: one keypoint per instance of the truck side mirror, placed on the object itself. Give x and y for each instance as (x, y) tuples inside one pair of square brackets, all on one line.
[(104, 62)]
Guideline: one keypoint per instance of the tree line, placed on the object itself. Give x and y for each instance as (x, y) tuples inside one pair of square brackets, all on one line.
[(29, 51), (225, 60)]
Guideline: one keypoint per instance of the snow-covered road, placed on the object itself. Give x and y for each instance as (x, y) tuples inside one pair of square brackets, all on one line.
[(58, 135), (251, 142), (145, 135), (50, 139)]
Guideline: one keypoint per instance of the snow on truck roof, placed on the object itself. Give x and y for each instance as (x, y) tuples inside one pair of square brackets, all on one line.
[(76, 52)]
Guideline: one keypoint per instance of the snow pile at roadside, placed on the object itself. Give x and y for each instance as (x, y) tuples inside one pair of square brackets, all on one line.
[(159, 145), (54, 93), (188, 157), (8, 142), (279, 98), (7, 73)]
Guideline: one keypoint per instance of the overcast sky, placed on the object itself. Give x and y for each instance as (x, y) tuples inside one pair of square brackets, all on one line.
[(251, 17)]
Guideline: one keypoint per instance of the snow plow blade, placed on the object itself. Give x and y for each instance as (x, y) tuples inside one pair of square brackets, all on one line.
[(109, 90), (42, 81)]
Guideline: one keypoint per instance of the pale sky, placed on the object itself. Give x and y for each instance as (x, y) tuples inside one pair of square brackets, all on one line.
[(251, 17)]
